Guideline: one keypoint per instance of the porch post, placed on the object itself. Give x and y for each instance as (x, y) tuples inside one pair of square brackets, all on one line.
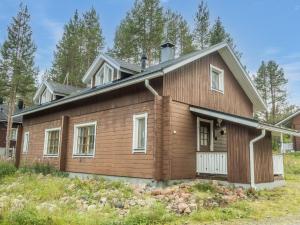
[(18, 146), (63, 143), (281, 143)]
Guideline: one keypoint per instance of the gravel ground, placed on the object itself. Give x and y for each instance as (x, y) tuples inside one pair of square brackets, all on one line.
[(285, 220)]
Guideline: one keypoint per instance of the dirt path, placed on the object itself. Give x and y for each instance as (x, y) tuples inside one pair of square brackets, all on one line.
[(285, 220)]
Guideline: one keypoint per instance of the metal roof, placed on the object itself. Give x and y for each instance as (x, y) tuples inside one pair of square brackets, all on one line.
[(161, 69), (4, 113)]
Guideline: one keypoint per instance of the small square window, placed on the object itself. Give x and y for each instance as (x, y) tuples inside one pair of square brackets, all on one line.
[(140, 132), (217, 79)]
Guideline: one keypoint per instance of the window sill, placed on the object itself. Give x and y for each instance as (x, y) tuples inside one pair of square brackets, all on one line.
[(139, 150), (83, 156), (216, 90), (50, 156)]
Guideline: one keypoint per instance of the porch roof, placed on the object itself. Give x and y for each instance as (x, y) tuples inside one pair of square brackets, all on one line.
[(244, 121)]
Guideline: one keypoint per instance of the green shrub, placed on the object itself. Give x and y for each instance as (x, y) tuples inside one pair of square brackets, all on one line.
[(6, 169), (27, 217), (43, 168), (204, 187)]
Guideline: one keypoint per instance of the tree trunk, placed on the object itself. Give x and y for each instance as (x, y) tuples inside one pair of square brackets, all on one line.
[(11, 110)]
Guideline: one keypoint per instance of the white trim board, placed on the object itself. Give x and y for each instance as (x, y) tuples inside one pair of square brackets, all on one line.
[(134, 133), (211, 122), (245, 121), (45, 154)]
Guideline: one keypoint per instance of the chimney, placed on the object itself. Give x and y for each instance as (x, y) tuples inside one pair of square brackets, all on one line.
[(143, 61), (20, 104), (167, 52)]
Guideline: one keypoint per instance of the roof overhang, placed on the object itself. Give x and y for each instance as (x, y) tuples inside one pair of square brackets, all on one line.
[(288, 118), (244, 121)]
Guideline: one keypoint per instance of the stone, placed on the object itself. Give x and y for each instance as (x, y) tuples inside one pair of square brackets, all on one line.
[(182, 207), (91, 207), (187, 210)]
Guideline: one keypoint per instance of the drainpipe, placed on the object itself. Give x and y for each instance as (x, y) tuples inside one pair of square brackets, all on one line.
[(157, 174), (261, 136), (150, 88)]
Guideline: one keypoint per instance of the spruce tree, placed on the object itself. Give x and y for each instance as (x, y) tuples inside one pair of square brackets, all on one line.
[(141, 31), (218, 34), (177, 31), (82, 41), (201, 28), (17, 66)]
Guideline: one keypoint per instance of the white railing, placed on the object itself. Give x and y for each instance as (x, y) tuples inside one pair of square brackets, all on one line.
[(212, 162), (278, 165), (286, 147)]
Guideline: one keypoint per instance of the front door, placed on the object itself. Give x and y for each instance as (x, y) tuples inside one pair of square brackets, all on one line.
[(204, 136)]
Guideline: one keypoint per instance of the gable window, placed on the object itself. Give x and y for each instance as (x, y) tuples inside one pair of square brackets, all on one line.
[(51, 142), (84, 139), (217, 79), (140, 132), (105, 75), (26, 142), (46, 96)]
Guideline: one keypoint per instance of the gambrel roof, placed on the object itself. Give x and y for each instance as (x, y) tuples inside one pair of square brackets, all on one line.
[(161, 69)]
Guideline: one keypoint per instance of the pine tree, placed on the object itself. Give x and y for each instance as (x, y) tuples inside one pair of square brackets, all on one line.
[(176, 30), (218, 34), (141, 31), (271, 83), (81, 42), (17, 64), (201, 29), (277, 89), (262, 83)]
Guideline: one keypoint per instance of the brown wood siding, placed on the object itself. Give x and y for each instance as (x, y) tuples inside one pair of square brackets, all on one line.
[(263, 161), (238, 153), (220, 144), (296, 126), (191, 84), (36, 143), (183, 146), (114, 115)]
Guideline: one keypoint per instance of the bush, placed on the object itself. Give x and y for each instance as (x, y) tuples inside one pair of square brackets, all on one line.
[(43, 168), (27, 217), (204, 187), (6, 169)]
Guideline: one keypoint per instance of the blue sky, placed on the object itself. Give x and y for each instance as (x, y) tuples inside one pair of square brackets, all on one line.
[(262, 29)]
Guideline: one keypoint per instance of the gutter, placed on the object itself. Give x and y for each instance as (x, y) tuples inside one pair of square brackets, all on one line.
[(252, 178), (150, 88)]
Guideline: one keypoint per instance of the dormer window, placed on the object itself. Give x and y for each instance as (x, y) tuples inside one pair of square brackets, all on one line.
[(104, 75)]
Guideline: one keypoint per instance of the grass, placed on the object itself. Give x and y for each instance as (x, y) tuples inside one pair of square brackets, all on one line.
[(30, 198)]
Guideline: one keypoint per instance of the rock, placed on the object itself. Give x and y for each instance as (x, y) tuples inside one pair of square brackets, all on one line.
[(156, 192), (91, 207), (187, 210), (229, 198), (182, 207), (119, 204), (103, 201), (193, 206)]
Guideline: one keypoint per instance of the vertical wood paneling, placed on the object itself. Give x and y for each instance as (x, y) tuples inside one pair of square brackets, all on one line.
[(191, 85), (63, 142), (18, 145), (263, 161), (238, 153), (296, 126)]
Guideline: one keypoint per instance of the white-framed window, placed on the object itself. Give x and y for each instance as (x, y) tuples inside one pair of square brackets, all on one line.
[(217, 79), (104, 75), (139, 132), (13, 135), (51, 142), (26, 142), (205, 134), (84, 139), (46, 96)]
